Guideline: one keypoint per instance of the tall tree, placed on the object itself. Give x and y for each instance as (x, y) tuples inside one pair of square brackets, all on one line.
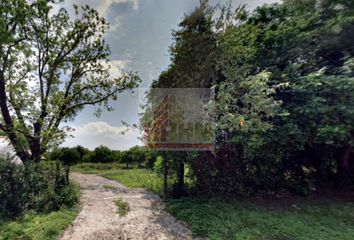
[(192, 52), (51, 67)]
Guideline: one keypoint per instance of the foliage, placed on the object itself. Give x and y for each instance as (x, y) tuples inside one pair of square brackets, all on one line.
[(38, 226), (123, 207), (88, 167), (135, 178), (32, 187), (283, 81), (241, 220), (69, 156), (133, 156), (101, 154), (51, 67)]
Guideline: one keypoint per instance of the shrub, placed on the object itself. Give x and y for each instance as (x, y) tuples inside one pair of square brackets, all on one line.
[(101, 154), (32, 187), (123, 207), (12, 188)]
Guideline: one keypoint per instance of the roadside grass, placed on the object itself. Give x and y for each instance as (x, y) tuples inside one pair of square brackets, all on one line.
[(242, 220), (134, 178), (123, 207), (34, 227), (238, 219), (108, 187), (96, 168)]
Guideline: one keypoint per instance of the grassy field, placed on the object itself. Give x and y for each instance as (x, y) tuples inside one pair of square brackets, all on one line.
[(134, 178), (38, 227), (241, 219)]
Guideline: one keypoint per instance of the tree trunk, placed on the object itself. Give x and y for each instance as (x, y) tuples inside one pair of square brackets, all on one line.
[(9, 126), (180, 183), (345, 160), (36, 150), (165, 176), (57, 172), (67, 172)]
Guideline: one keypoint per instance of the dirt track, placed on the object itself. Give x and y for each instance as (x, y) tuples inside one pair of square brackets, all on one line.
[(98, 218)]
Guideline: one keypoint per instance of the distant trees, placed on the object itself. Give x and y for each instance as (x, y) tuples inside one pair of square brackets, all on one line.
[(135, 156), (101, 154)]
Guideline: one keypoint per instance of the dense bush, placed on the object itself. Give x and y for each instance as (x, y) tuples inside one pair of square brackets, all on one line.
[(101, 154), (283, 76), (136, 156), (32, 187)]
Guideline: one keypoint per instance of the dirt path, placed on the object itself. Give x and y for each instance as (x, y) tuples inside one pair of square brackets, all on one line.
[(99, 220)]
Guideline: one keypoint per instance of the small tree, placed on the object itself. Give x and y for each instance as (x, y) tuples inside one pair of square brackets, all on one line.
[(69, 156), (102, 154), (82, 151)]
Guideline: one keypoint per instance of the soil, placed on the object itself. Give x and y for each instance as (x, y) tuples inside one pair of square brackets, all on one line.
[(99, 220)]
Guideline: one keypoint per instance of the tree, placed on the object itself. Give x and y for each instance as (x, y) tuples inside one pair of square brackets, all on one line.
[(283, 80), (192, 52), (51, 67), (193, 56), (308, 59), (82, 151), (69, 156), (102, 154)]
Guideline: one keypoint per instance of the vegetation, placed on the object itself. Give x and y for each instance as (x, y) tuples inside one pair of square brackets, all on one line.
[(38, 226), (108, 187), (32, 188), (68, 67), (123, 207), (135, 156), (241, 220), (271, 219), (135, 178), (283, 81), (51, 67)]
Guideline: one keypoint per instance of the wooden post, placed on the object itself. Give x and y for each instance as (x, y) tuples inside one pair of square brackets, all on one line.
[(165, 175), (180, 190)]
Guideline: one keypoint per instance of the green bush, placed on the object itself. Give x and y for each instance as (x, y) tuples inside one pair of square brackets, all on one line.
[(32, 187), (12, 189), (101, 154)]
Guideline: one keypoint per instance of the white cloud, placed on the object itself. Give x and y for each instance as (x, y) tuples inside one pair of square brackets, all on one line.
[(103, 5), (93, 134), (116, 67), (116, 24), (100, 5)]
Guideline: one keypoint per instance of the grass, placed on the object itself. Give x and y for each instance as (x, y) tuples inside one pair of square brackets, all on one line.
[(34, 227), (134, 178), (108, 187), (242, 220), (123, 207)]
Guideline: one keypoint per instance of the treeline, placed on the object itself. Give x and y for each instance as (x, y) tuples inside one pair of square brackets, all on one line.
[(283, 76), (137, 156)]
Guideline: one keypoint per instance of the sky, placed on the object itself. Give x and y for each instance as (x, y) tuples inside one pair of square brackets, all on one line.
[(139, 39)]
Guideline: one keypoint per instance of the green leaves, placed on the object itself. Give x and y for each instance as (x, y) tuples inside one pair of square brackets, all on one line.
[(53, 67)]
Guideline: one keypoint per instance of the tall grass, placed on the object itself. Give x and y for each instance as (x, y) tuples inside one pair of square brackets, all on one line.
[(242, 220), (38, 227), (134, 178)]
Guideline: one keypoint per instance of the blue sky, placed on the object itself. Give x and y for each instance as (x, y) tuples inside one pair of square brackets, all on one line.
[(139, 39)]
